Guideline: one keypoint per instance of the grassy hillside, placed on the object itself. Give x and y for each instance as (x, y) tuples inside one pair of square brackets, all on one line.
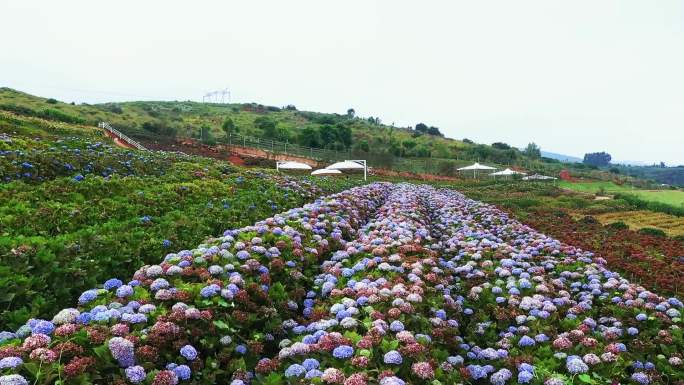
[(164, 120)]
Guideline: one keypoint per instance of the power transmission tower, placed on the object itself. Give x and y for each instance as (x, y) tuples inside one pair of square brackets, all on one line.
[(213, 96)]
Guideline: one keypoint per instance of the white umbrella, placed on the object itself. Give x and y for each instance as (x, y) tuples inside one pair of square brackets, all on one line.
[(350, 165), (476, 166), (290, 165), (507, 172), (325, 171), (538, 177)]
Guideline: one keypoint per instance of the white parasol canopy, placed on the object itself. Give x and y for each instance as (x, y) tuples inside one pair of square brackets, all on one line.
[(325, 171), (350, 165), (475, 167), (346, 165), (538, 177), (291, 165), (507, 172)]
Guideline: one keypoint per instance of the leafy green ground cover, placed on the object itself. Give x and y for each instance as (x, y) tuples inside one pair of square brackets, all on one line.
[(74, 211)]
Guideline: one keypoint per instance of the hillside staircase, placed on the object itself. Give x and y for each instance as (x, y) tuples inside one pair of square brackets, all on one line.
[(121, 136)]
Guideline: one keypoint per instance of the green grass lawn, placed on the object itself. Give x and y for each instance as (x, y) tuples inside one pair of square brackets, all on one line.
[(670, 197)]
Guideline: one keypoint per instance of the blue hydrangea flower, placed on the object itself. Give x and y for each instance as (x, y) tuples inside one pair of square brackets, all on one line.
[(311, 363), (526, 341), (500, 377), (295, 370), (575, 365), (210, 291), (343, 352), (43, 327), (396, 326), (183, 372), (525, 377), (112, 283), (393, 357), (189, 352), (87, 296), (641, 378)]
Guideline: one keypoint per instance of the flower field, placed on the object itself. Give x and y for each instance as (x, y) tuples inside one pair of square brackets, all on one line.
[(75, 211), (384, 284)]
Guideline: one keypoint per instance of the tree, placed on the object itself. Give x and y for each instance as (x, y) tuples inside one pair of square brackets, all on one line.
[(422, 127), (266, 125), (362, 146), (597, 159), (351, 113), (532, 151), (434, 131), (309, 137), (205, 134), (409, 144), (228, 126), (501, 146), (344, 134)]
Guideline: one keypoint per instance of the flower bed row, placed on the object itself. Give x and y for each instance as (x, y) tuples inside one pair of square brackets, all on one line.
[(210, 311), (499, 303)]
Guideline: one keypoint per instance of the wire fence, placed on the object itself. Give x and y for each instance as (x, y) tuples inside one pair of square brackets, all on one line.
[(428, 165)]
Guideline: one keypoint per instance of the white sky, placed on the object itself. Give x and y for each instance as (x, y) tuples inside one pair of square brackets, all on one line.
[(573, 76)]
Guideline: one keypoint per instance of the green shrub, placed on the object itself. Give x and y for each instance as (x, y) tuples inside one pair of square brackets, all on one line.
[(54, 114), (618, 225), (652, 231)]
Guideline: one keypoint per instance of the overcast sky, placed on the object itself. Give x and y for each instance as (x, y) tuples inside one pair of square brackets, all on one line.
[(572, 76)]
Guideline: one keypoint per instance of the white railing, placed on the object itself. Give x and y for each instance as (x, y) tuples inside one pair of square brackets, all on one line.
[(121, 135)]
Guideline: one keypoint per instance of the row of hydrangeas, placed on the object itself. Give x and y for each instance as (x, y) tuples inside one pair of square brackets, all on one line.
[(441, 289), (210, 312), (382, 284)]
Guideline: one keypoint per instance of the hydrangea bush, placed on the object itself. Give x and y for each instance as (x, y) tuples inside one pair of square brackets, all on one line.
[(381, 284)]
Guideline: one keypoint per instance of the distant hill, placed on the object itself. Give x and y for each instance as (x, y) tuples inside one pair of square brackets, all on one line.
[(561, 157), (418, 150)]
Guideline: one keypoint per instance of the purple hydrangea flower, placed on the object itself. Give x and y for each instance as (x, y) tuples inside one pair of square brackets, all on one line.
[(124, 291), (10, 362), (135, 374), (123, 351), (13, 379)]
